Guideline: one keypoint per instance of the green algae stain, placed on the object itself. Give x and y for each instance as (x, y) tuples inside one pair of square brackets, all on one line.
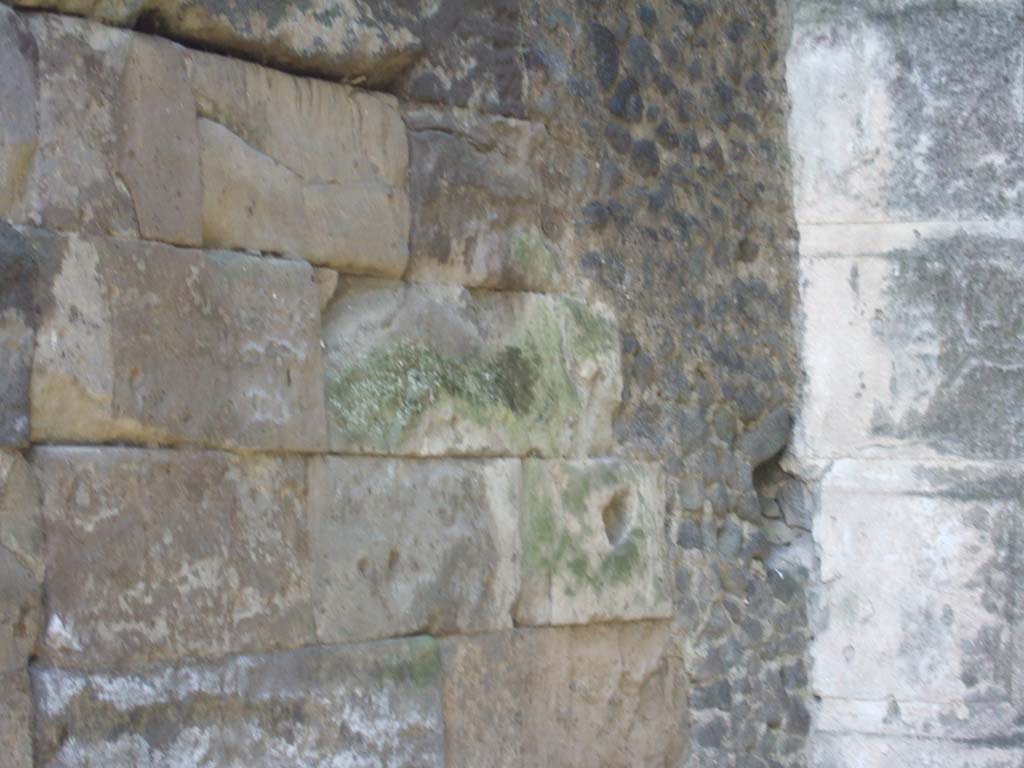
[(416, 661), (551, 550), (533, 263), (590, 334)]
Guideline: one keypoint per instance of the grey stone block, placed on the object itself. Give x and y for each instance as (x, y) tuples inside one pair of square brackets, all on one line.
[(156, 554), (377, 704), (403, 546)]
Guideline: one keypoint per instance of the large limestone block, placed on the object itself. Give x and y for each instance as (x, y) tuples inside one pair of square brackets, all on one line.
[(156, 554), (403, 546), (594, 543), (118, 152), (920, 567), (19, 127), (610, 695), (301, 167), (371, 705), (477, 202), (908, 116), (21, 563), (372, 41), (911, 341), (436, 370), (144, 342)]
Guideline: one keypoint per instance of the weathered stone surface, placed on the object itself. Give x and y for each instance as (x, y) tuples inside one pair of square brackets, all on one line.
[(21, 563), (610, 695), (301, 167), (117, 152), (19, 129), (156, 554), (869, 751), (477, 202), (402, 546), (372, 41), (439, 51), (436, 370), (16, 719), (912, 342), (909, 116), (19, 266), (921, 566), (144, 342), (369, 705), (73, 184), (594, 543), (158, 157)]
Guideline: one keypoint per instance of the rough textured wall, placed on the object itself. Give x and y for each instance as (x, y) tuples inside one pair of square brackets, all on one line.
[(423, 412), (907, 129)]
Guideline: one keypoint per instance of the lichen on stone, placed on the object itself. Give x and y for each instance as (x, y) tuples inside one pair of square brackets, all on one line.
[(522, 389)]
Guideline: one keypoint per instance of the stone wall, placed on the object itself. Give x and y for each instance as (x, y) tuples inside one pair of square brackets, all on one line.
[(907, 128), (398, 384)]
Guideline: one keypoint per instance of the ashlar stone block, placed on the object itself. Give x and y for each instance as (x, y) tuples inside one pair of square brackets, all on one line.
[(358, 705), (611, 695), (911, 342), (477, 202), (118, 151), (301, 167), (437, 370), (921, 566), (594, 543), (403, 546), (907, 116), (155, 554), (144, 342)]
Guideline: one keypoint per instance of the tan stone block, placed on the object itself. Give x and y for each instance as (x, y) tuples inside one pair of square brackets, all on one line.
[(143, 342), (611, 695), (21, 563), (437, 370), (302, 167), (403, 546), (356, 705), (157, 554), (594, 543), (477, 202), (158, 151)]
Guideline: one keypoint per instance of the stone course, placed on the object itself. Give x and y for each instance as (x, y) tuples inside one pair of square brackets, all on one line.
[(574, 697)]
